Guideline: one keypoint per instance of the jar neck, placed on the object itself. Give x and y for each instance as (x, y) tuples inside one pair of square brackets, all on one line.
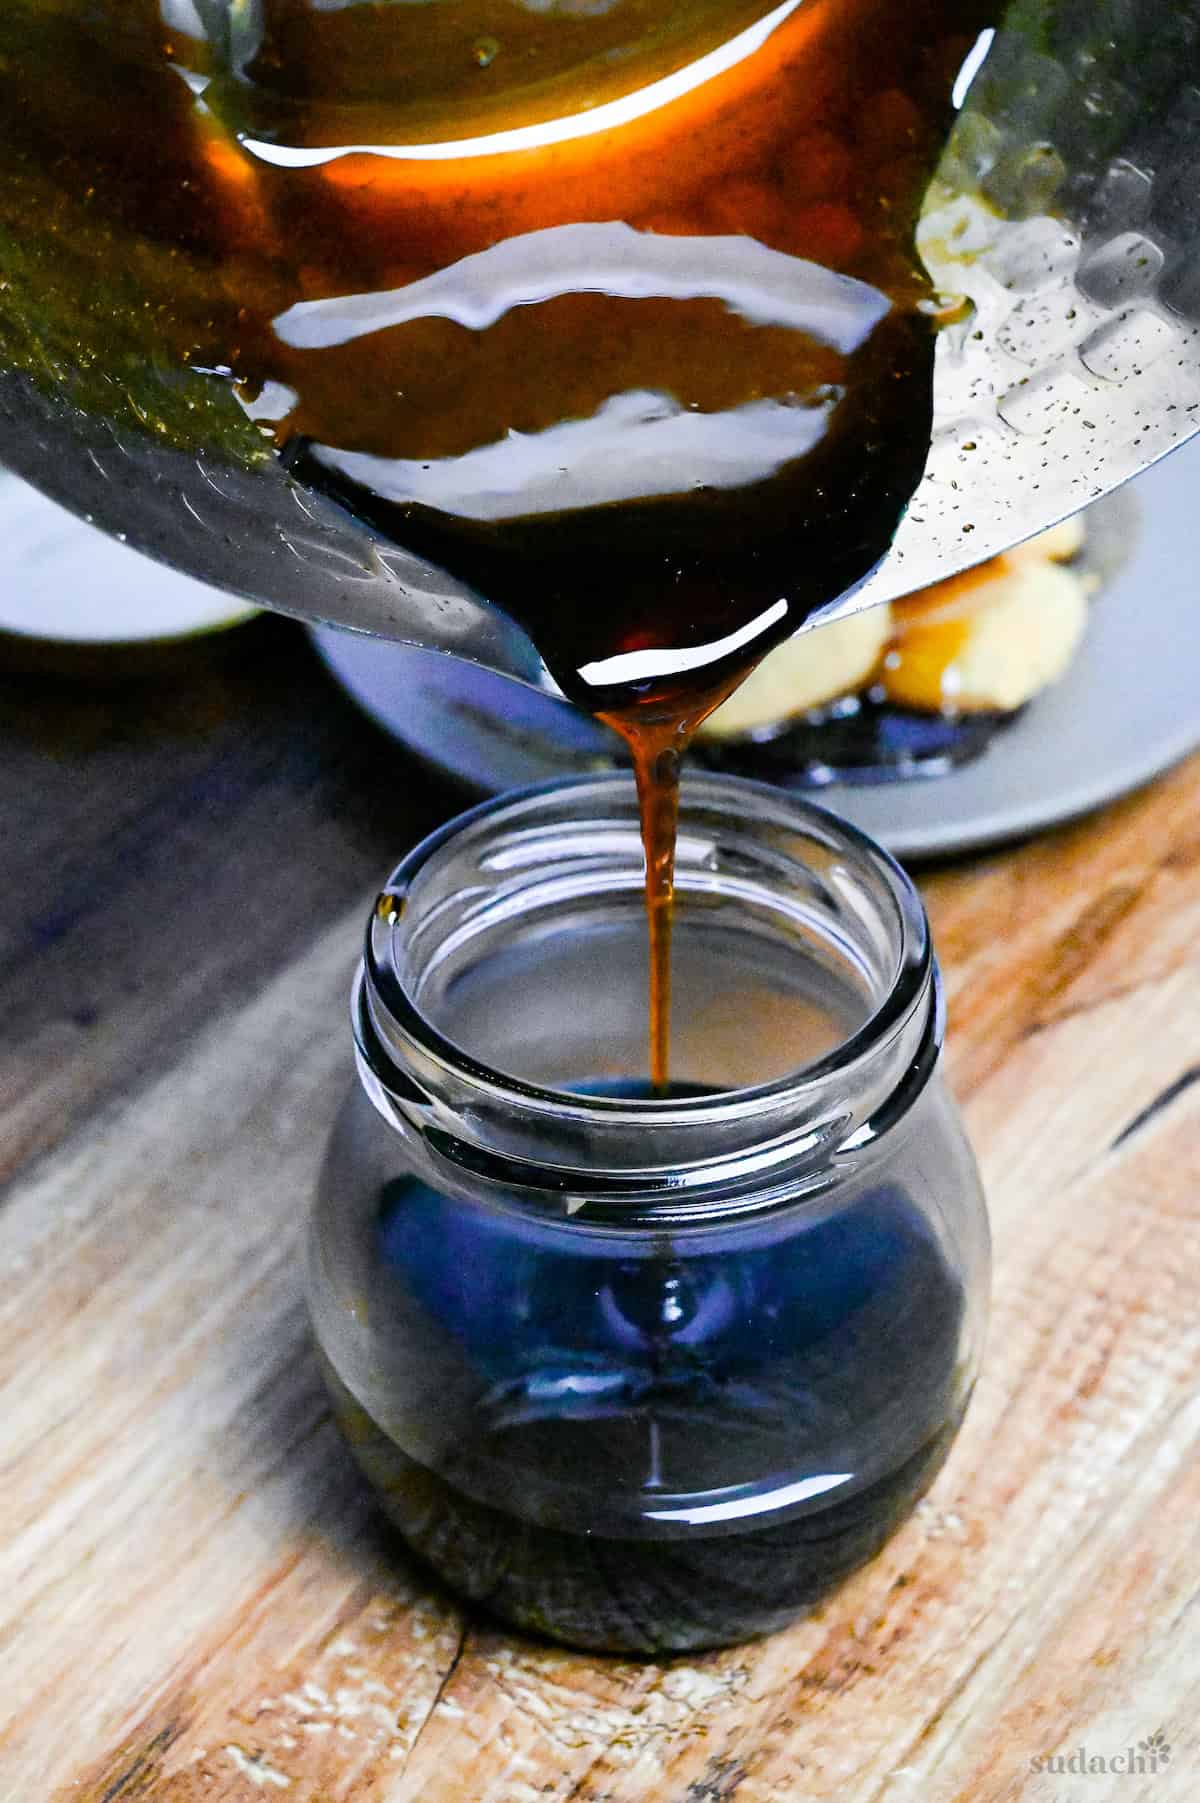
[(800, 888)]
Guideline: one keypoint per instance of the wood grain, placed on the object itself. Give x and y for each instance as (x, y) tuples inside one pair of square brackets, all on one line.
[(197, 1600)]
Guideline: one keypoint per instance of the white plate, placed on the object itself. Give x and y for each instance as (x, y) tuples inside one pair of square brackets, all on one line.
[(1128, 708), (67, 583)]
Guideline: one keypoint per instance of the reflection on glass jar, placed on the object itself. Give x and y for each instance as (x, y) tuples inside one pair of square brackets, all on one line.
[(648, 1373)]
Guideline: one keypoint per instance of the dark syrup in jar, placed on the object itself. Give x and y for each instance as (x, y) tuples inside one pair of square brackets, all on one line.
[(655, 379), (663, 1451)]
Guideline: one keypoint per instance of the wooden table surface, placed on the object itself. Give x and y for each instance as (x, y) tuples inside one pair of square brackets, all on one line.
[(197, 1600)]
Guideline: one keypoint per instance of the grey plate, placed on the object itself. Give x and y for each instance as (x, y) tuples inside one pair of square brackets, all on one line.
[(1128, 708)]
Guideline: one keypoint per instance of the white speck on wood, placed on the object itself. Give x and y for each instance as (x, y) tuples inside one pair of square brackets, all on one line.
[(686, 1684), (257, 1770)]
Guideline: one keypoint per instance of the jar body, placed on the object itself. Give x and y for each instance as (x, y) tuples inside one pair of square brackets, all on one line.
[(641, 1442), (648, 1373)]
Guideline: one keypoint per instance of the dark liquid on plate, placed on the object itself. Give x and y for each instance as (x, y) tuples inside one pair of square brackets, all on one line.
[(663, 1450), (656, 379)]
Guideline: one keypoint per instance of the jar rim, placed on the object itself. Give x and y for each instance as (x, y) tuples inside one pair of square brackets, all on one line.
[(910, 981)]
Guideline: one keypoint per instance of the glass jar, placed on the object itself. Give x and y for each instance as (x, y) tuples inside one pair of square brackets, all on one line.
[(648, 1374)]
